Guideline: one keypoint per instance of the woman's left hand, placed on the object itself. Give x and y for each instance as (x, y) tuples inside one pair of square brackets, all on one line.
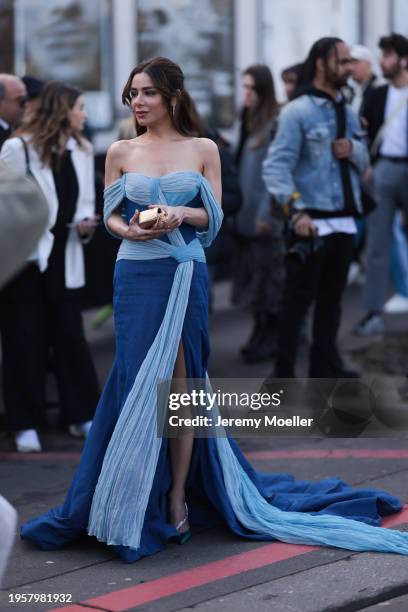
[(175, 216)]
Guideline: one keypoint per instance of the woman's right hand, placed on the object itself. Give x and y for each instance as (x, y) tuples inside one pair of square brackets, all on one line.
[(135, 232)]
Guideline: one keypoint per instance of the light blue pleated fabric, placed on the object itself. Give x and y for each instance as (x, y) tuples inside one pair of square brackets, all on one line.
[(159, 250), (256, 514), (122, 492)]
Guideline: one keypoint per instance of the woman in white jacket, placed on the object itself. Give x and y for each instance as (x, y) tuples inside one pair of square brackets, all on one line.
[(40, 307)]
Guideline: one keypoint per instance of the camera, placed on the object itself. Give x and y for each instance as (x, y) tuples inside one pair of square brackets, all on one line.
[(299, 248)]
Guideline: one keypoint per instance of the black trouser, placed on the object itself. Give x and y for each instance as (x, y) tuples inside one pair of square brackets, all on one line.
[(320, 279), (29, 323), (268, 273), (258, 272)]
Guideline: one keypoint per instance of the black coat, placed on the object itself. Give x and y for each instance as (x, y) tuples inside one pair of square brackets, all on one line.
[(220, 252), (373, 110), (4, 134)]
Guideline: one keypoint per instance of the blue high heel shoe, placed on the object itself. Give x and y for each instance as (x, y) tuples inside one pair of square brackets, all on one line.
[(182, 538)]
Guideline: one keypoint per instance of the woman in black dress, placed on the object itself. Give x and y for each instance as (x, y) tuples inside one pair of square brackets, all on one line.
[(40, 307)]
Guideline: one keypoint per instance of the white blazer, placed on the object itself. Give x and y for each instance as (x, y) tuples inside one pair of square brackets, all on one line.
[(82, 159)]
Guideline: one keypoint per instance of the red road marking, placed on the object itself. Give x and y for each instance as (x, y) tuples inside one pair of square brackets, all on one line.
[(364, 453), (40, 456), (124, 599), (396, 519), (194, 577)]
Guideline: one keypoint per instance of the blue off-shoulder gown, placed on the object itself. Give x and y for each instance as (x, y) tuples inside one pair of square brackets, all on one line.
[(222, 487)]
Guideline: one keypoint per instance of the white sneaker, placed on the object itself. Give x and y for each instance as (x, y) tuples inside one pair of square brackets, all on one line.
[(27, 441), (81, 430), (397, 304)]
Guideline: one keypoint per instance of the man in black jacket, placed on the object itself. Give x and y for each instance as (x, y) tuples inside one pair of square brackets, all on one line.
[(386, 114), (312, 169), (12, 100)]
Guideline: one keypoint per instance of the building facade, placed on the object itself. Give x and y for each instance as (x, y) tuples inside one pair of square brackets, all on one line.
[(95, 43)]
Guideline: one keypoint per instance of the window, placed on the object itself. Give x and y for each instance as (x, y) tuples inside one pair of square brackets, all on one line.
[(197, 35), (66, 40), (6, 36), (400, 17)]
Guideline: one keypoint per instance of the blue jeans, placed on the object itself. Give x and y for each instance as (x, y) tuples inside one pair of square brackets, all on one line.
[(399, 258), (390, 187), (398, 253)]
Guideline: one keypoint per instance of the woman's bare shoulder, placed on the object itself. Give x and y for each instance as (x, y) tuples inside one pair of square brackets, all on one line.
[(207, 151), (122, 147), (206, 147)]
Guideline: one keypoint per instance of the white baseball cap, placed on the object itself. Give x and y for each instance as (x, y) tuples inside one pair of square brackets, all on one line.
[(359, 52)]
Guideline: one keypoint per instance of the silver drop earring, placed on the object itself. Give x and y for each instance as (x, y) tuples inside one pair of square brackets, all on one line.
[(173, 108)]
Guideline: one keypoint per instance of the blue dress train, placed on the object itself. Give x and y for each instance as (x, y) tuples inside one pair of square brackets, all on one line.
[(119, 492)]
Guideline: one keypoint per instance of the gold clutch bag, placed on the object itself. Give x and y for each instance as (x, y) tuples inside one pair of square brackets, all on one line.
[(152, 218)]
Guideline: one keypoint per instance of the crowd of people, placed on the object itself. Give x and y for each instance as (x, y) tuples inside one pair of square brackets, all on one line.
[(39, 308), (313, 193), (337, 165)]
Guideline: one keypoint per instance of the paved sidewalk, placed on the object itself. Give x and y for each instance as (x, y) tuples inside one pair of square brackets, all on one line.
[(215, 570)]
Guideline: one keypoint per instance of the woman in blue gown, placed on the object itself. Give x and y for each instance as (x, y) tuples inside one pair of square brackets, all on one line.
[(131, 487)]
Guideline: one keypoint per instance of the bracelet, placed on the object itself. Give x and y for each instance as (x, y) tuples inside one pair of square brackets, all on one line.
[(288, 206)]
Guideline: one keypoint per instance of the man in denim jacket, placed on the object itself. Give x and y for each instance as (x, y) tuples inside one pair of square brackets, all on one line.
[(318, 154)]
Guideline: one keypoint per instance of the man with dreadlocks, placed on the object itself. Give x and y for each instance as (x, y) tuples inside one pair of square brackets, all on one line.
[(313, 169)]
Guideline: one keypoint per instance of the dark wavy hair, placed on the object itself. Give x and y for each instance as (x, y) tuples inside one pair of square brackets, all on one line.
[(321, 49), (168, 78), (294, 69), (258, 119), (394, 42), (50, 126)]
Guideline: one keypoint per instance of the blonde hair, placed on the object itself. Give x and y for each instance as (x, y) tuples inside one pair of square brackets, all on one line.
[(49, 128)]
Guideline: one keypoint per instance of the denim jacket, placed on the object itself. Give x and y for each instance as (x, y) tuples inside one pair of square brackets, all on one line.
[(300, 157)]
